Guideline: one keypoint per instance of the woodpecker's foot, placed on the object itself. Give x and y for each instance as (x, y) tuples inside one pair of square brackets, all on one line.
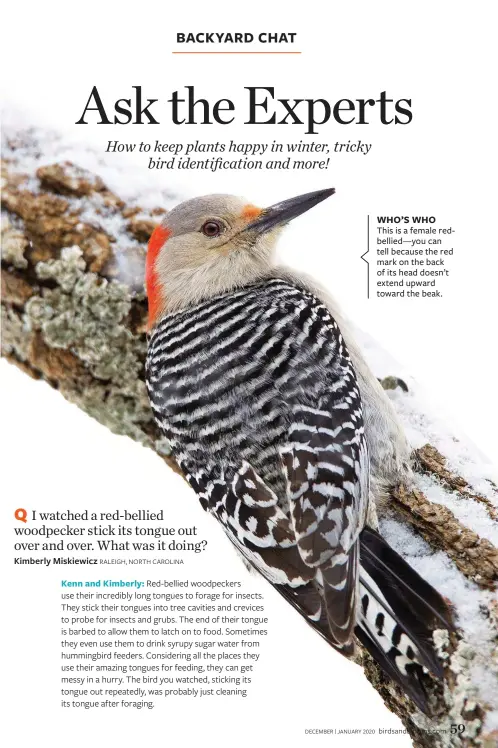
[(390, 383)]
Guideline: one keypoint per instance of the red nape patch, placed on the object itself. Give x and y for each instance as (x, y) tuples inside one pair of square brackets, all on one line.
[(159, 236)]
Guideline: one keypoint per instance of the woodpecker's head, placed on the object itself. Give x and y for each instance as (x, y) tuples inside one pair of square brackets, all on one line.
[(213, 244)]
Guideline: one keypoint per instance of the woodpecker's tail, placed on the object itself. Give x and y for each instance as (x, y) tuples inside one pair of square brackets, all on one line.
[(397, 615)]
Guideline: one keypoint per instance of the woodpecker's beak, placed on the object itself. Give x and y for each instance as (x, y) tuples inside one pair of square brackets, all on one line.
[(281, 213)]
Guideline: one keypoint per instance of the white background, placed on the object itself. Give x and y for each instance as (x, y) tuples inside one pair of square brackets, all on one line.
[(442, 164)]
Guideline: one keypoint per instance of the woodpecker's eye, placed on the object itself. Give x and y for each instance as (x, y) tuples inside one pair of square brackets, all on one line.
[(212, 229)]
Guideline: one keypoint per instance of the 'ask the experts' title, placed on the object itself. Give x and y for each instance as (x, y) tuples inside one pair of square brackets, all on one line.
[(263, 107)]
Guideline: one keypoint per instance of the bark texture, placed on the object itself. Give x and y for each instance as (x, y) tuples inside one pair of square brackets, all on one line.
[(74, 314)]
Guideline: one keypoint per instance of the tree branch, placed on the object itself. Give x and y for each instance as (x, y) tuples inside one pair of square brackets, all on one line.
[(74, 314)]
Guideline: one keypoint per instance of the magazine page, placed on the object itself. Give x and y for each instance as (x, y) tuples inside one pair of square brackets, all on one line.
[(248, 405)]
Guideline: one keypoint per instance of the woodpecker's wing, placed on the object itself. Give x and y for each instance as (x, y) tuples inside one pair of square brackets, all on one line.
[(323, 457), (326, 465)]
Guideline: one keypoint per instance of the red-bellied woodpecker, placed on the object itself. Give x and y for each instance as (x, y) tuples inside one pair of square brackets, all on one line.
[(281, 429)]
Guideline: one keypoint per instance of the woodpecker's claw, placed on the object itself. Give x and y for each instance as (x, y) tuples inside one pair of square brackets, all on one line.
[(391, 383)]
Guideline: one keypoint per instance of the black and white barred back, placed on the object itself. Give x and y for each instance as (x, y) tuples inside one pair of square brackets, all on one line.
[(257, 395)]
